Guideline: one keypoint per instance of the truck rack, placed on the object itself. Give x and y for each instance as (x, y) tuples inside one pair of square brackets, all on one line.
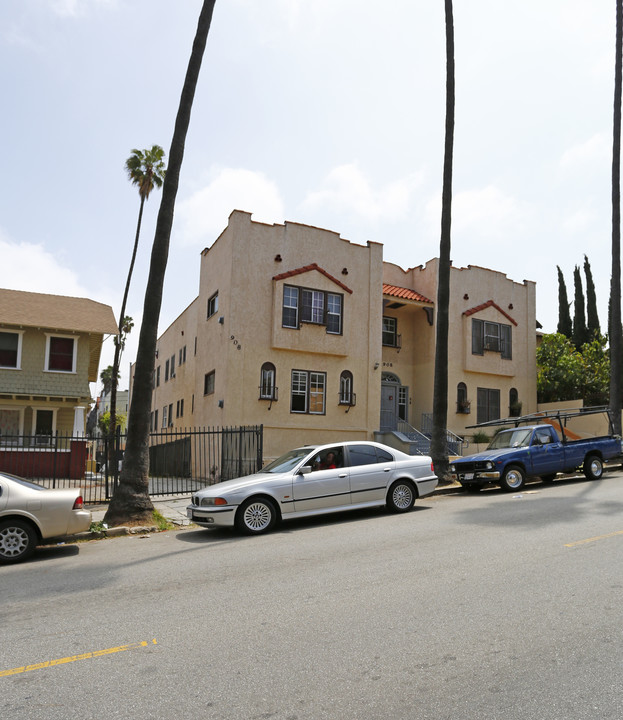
[(561, 416)]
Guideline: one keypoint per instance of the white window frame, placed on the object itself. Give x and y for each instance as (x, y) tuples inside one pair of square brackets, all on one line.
[(309, 384), (46, 367), (20, 334), (165, 416)]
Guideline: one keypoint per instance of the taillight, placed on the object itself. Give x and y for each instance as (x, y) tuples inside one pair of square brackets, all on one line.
[(432, 468), (79, 504)]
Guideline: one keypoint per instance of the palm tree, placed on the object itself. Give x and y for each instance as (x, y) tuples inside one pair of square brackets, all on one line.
[(131, 501), (615, 331), (440, 387), (146, 170)]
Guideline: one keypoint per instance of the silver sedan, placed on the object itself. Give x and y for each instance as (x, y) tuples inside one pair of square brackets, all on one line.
[(314, 481), (30, 513)]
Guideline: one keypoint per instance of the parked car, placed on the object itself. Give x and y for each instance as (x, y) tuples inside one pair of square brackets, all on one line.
[(315, 480), (30, 513), (528, 451)]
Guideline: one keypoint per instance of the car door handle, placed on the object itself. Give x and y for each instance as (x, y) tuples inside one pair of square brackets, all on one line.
[(342, 475), (386, 469)]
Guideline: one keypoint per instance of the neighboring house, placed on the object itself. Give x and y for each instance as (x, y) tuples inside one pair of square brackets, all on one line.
[(315, 337), (50, 349), (103, 406)]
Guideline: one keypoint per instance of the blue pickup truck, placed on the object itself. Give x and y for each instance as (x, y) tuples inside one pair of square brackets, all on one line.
[(519, 453)]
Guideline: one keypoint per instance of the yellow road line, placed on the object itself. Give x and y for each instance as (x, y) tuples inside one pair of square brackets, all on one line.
[(593, 539), (74, 658)]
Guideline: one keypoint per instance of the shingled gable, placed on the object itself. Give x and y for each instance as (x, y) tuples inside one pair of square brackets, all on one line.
[(55, 312), (405, 294), (308, 268), (489, 303)]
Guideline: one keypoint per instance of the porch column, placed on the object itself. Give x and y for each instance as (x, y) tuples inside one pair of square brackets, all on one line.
[(78, 430)]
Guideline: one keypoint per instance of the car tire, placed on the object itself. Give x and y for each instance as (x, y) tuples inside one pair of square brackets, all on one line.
[(18, 540), (593, 468), (548, 478), (513, 479), (256, 516), (401, 496)]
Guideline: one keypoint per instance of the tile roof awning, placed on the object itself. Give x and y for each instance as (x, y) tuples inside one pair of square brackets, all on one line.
[(405, 295)]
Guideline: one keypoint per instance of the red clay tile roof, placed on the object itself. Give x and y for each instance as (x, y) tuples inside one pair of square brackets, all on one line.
[(307, 268), (487, 304), (404, 293)]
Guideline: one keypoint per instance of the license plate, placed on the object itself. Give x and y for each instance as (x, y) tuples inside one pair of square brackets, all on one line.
[(468, 476)]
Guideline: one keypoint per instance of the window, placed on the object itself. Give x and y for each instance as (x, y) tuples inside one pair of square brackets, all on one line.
[(488, 405), (403, 403), (172, 366), (308, 392), (10, 424), (11, 349), (165, 416), (495, 337), (390, 332), (182, 359), (367, 455), (213, 305), (61, 353), (208, 383), (158, 376), (179, 408), (170, 414), (312, 306), (290, 312), (347, 396), (462, 403), (268, 389), (166, 371), (514, 406), (44, 425)]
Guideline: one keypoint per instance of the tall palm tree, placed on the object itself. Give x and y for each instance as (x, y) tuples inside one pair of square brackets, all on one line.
[(146, 170), (440, 387), (616, 344), (131, 501)]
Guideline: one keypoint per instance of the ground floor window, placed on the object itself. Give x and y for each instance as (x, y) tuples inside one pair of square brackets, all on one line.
[(488, 405), (308, 392), (9, 423)]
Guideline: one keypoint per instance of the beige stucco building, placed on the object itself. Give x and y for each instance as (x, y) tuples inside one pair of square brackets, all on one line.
[(50, 349), (314, 337)]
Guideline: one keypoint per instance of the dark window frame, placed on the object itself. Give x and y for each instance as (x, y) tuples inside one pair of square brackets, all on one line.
[(492, 337), (212, 308), (301, 304), (209, 383)]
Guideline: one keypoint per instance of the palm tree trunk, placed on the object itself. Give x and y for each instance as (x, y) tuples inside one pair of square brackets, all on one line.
[(131, 500), (615, 282), (112, 460), (440, 387)]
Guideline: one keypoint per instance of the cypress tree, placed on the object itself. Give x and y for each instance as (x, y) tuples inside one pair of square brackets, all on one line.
[(591, 302), (580, 331), (564, 318)]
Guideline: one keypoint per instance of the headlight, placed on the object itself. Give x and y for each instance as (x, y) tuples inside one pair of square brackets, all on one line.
[(489, 466), (452, 468), (213, 501)]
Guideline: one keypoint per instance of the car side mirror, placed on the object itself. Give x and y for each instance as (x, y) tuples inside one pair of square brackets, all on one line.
[(305, 470)]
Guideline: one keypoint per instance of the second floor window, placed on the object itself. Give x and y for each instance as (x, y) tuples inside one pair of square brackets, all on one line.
[(61, 354), (10, 349), (213, 305), (491, 336), (303, 305), (390, 332)]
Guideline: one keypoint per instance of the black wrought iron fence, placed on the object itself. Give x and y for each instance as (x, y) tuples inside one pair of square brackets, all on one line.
[(181, 460)]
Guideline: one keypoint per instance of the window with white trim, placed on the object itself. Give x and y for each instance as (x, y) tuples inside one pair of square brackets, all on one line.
[(493, 337), (213, 305), (308, 392), (11, 349), (268, 387), (347, 396), (304, 305), (60, 353)]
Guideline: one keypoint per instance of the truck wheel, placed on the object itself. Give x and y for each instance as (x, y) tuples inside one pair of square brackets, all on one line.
[(513, 478), (593, 468)]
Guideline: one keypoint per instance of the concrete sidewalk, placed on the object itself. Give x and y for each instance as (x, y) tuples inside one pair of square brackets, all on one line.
[(173, 508)]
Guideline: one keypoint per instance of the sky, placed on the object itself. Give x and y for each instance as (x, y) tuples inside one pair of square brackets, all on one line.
[(329, 113)]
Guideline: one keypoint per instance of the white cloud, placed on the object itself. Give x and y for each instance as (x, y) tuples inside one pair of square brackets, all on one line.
[(594, 151), (32, 268), (76, 8), (204, 214), (347, 190)]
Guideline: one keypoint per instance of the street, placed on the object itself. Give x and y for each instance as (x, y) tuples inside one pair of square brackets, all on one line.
[(489, 605)]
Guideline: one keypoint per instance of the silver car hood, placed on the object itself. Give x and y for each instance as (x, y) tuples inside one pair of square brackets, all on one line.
[(229, 486)]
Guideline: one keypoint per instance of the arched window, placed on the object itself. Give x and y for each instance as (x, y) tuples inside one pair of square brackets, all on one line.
[(462, 403), (268, 386), (514, 406), (347, 396)]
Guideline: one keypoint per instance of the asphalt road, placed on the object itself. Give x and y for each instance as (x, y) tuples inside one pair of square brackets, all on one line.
[(472, 606)]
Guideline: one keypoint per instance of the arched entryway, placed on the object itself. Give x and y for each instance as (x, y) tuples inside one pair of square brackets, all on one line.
[(394, 401)]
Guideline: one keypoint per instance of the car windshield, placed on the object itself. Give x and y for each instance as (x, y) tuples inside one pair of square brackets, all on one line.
[(288, 461), (511, 439)]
